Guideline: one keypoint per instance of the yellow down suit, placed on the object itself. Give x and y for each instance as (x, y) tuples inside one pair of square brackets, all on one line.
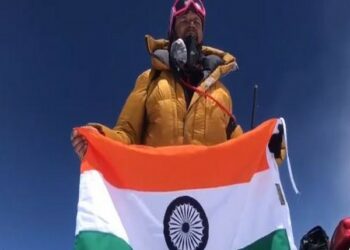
[(156, 113)]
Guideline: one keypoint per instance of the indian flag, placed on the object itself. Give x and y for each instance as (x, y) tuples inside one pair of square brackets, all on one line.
[(226, 197)]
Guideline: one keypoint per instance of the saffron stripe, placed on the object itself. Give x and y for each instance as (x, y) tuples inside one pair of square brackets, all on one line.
[(173, 168)]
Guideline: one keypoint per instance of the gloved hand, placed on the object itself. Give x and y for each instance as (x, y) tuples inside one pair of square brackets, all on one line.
[(185, 54), (276, 143), (178, 54)]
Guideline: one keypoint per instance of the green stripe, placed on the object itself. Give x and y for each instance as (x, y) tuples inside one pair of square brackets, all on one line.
[(91, 240), (277, 240)]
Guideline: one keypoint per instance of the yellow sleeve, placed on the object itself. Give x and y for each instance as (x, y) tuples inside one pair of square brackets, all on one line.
[(129, 126)]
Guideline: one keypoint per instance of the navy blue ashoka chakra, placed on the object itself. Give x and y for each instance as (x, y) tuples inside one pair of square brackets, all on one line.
[(185, 225)]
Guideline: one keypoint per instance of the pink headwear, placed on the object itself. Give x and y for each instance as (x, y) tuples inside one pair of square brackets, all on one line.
[(181, 6)]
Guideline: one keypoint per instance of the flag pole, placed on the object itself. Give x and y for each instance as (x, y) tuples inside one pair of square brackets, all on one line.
[(254, 106)]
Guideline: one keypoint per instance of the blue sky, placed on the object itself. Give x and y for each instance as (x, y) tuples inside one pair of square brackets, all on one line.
[(66, 63)]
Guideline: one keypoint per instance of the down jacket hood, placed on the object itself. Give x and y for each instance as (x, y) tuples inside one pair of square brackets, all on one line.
[(218, 63)]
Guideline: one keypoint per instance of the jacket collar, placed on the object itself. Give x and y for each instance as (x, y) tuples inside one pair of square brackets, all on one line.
[(158, 49)]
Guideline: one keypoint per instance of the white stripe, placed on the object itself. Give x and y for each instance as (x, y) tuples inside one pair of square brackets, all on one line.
[(238, 215), (274, 168), (96, 211)]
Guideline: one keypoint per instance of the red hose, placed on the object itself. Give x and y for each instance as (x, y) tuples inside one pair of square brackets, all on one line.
[(205, 94)]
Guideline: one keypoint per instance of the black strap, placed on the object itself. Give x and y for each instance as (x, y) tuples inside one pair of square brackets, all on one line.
[(231, 126)]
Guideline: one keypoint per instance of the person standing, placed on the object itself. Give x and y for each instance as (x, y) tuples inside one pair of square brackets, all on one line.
[(181, 98)]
